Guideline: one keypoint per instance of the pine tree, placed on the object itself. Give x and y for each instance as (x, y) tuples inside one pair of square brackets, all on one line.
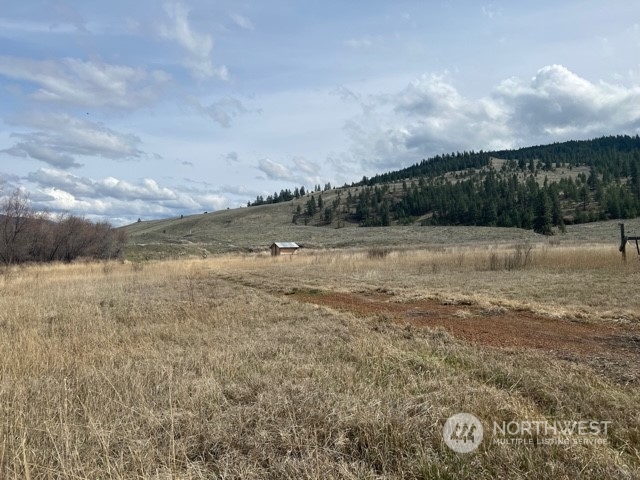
[(542, 220), (635, 174), (311, 206)]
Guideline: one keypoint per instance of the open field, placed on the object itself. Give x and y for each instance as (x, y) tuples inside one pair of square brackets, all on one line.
[(331, 364), (253, 229)]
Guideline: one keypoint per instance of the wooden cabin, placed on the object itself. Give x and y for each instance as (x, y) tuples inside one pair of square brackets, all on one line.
[(284, 248)]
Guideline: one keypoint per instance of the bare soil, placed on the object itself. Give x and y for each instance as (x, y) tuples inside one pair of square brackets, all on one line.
[(613, 349)]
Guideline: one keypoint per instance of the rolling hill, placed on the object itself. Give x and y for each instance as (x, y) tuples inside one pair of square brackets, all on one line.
[(579, 188)]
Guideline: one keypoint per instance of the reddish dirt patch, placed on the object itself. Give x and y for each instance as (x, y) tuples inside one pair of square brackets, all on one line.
[(619, 344)]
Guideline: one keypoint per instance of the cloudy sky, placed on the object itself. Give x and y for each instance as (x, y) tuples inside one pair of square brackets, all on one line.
[(148, 108)]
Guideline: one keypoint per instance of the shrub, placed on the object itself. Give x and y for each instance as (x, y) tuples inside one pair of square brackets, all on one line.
[(378, 252)]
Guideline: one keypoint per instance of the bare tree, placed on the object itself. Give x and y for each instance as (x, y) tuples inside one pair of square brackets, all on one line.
[(26, 235), (15, 213)]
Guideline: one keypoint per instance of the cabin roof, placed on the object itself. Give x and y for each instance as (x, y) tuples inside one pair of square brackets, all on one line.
[(286, 245)]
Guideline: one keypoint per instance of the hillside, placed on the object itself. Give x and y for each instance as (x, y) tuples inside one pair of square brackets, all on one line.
[(536, 188), (254, 229), (579, 188)]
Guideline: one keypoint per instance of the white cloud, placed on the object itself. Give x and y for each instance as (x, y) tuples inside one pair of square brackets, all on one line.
[(53, 178), (430, 116), (303, 172), (37, 151), (427, 96), (59, 191), (59, 138), (242, 21), (557, 103), (274, 170), (305, 166), (199, 46), (109, 187), (71, 81)]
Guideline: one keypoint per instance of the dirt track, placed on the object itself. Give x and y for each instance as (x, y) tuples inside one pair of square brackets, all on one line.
[(605, 346)]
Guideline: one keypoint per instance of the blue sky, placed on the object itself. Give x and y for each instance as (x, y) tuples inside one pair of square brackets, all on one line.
[(147, 109)]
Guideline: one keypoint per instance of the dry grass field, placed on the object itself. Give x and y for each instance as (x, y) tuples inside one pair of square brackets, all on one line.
[(338, 363), (253, 229)]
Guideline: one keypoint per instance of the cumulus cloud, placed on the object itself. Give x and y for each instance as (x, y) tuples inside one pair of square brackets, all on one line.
[(71, 81), (557, 102), (60, 191), (58, 139), (427, 96), (197, 45), (430, 116), (109, 187)]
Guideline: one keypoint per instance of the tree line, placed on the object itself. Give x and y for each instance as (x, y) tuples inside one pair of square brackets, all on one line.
[(27, 235), (465, 188), (286, 195), (514, 195), (612, 157), (499, 199)]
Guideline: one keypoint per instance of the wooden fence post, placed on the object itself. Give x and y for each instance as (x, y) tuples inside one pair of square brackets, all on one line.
[(623, 243)]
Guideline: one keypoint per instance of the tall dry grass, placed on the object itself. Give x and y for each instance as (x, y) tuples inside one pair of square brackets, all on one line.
[(171, 370), (586, 282)]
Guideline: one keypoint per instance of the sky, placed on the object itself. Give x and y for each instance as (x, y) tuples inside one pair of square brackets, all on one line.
[(151, 109)]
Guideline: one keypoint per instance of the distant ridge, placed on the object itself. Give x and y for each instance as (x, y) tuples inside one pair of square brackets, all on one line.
[(540, 187)]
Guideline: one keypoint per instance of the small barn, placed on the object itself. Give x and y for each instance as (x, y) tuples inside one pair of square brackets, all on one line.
[(284, 248)]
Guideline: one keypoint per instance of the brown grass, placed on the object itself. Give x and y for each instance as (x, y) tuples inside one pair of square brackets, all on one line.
[(586, 282), (194, 369)]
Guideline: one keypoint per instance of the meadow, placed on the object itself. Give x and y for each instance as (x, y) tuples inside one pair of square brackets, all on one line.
[(334, 363)]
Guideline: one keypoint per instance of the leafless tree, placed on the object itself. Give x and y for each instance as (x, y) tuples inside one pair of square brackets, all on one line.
[(15, 213), (27, 235)]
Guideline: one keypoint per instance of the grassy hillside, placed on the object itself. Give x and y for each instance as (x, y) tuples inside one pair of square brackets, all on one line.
[(466, 198), (535, 188), (255, 228)]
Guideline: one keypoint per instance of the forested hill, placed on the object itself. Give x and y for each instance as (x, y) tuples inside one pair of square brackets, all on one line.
[(607, 154), (541, 187)]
